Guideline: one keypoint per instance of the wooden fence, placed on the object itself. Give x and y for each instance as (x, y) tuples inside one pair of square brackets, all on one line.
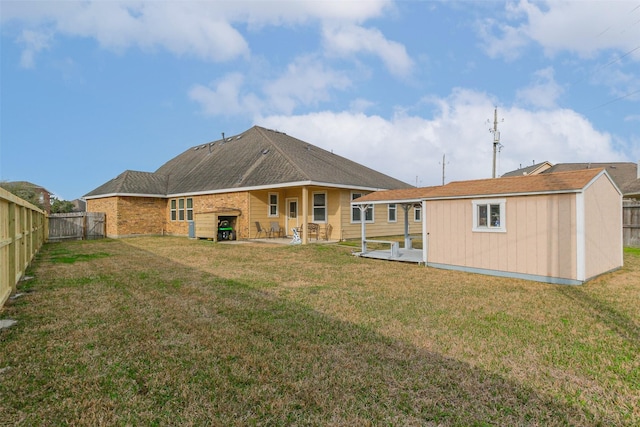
[(23, 230), (76, 226), (631, 224)]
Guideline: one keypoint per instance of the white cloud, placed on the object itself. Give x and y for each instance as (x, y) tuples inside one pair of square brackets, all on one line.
[(579, 27), (224, 97), (410, 148), (542, 92), (33, 42), (352, 39), (306, 81), (200, 29)]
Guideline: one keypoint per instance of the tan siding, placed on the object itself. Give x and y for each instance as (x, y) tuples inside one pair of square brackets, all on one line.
[(529, 246), (603, 222), (566, 224)]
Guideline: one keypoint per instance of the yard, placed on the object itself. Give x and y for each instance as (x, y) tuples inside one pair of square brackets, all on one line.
[(172, 331)]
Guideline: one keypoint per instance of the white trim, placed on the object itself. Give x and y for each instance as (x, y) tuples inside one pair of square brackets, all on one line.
[(356, 206), (425, 234), (325, 207), (502, 227), (468, 196), (277, 204), (238, 190), (581, 265), (395, 212)]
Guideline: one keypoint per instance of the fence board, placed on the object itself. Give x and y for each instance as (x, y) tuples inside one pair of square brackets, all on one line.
[(631, 225), (22, 233), (76, 226)]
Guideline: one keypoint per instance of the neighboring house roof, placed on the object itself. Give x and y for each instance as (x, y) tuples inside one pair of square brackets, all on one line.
[(530, 170), (624, 174), (257, 158), (561, 182)]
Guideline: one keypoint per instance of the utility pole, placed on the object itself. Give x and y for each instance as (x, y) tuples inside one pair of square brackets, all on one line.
[(496, 139), (443, 163)]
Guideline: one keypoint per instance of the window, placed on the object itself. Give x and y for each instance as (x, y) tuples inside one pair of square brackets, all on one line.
[(173, 210), (273, 204), (181, 208), (189, 209), (392, 212), (355, 210), (489, 215), (417, 213), (319, 207)]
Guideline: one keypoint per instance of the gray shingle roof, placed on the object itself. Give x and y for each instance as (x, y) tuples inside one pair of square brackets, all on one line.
[(624, 174), (255, 158)]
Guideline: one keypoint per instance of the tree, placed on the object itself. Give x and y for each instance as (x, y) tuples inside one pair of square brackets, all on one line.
[(24, 191), (61, 206)]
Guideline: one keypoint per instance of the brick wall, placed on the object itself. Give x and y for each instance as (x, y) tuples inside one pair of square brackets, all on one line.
[(128, 216), (108, 205), (211, 203)]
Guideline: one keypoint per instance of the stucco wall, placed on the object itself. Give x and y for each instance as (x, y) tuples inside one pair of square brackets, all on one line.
[(603, 228), (540, 236)]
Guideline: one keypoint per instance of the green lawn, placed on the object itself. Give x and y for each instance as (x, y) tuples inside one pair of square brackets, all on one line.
[(172, 331)]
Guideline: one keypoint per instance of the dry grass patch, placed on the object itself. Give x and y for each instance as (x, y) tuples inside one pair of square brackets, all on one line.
[(171, 331)]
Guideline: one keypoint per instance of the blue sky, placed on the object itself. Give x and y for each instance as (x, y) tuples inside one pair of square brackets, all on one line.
[(91, 89)]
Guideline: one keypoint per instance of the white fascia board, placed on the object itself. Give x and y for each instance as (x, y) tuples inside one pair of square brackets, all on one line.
[(272, 187), (391, 201), (102, 196), (502, 195), (595, 178), (240, 189)]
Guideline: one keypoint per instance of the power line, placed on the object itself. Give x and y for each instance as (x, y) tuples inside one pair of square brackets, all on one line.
[(616, 99)]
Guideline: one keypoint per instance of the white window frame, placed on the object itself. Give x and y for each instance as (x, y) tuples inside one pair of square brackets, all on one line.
[(392, 207), (181, 209), (315, 207), (491, 226), (368, 213), (417, 213), (189, 206), (173, 209), (275, 205)]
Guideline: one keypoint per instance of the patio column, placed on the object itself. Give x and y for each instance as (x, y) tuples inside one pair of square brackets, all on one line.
[(407, 241), (305, 215), (363, 226)]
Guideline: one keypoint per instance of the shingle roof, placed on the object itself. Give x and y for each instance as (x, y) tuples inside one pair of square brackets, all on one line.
[(624, 174), (533, 169), (257, 157), (531, 184), (133, 182)]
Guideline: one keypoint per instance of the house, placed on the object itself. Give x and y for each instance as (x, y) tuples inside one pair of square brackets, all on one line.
[(563, 227), (626, 175), (30, 192), (260, 177)]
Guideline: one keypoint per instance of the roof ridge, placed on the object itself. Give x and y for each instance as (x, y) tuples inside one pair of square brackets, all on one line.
[(281, 151)]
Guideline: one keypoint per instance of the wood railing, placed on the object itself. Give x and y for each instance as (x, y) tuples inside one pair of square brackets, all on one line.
[(23, 231)]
